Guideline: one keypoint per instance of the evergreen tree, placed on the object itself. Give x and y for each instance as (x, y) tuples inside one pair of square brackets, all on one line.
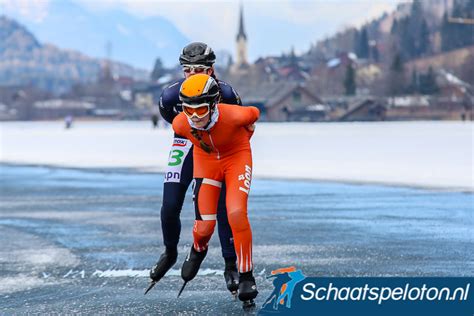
[(374, 53), (424, 39), (428, 83), (356, 42), (416, 9), (158, 70), (230, 62), (412, 33), (350, 80), (363, 44), (414, 25), (414, 85), (396, 80), (446, 31), (406, 39), (394, 29), (293, 60)]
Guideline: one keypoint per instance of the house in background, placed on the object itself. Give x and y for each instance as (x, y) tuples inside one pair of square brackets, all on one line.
[(280, 101), (367, 110)]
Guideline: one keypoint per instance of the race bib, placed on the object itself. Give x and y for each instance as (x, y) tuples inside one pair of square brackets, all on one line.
[(179, 152)]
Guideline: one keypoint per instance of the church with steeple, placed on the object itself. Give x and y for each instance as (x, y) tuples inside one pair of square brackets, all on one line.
[(241, 64), (241, 42)]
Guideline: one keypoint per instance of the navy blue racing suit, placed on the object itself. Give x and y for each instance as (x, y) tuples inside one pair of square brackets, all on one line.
[(179, 173)]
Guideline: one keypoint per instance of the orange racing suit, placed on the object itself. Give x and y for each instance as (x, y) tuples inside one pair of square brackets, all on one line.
[(229, 161)]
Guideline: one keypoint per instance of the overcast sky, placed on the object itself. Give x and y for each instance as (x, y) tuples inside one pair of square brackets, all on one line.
[(272, 26)]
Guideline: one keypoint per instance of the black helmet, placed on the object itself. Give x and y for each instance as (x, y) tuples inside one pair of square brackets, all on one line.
[(199, 88), (197, 53)]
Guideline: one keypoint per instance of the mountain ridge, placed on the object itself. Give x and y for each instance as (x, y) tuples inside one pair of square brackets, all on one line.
[(24, 60), (133, 40)]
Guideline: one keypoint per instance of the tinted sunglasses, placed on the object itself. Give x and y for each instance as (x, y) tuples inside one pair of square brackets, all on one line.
[(195, 68)]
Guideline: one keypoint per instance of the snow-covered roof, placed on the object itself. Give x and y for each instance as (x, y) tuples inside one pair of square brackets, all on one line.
[(334, 62), (446, 78), (411, 101), (352, 56), (317, 107)]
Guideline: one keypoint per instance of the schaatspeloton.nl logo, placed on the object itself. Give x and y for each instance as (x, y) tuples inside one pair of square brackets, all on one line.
[(295, 294)]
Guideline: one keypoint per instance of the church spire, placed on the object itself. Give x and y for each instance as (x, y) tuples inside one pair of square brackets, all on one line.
[(241, 43), (241, 33)]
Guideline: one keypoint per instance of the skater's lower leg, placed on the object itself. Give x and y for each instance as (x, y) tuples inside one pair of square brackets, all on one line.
[(173, 197), (166, 262), (247, 287), (202, 233), (192, 264), (243, 248), (231, 274)]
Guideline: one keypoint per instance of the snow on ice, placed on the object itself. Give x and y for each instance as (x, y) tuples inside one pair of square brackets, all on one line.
[(428, 154)]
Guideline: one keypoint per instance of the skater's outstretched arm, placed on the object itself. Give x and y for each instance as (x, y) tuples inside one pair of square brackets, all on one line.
[(245, 116)]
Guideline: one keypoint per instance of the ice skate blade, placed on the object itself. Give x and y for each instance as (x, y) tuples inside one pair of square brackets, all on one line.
[(182, 288), (152, 284), (249, 305)]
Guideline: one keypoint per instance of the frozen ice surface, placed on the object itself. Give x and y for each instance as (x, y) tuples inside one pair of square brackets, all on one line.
[(82, 241)]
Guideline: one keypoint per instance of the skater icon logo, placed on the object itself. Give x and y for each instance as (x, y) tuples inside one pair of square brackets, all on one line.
[(285, 280)]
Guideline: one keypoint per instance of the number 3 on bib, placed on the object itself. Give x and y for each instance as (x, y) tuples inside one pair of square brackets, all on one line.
[(175, 157)]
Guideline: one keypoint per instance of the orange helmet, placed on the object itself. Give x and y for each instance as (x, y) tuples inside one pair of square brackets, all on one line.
[(198, 89)]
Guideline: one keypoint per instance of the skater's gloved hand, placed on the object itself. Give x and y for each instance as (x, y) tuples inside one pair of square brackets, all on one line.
[(251, 129)]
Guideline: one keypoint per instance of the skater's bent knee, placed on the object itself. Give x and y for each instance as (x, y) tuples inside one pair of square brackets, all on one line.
[(238, 219), (204, 228)]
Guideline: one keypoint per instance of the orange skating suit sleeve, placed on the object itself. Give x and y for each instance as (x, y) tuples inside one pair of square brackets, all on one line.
[(229, 162)]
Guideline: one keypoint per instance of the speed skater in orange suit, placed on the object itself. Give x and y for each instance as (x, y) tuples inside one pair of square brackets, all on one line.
[(221, 137)]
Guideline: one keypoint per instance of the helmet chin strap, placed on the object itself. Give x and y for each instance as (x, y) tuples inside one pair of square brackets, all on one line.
[(207, 124), (211, 113)]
